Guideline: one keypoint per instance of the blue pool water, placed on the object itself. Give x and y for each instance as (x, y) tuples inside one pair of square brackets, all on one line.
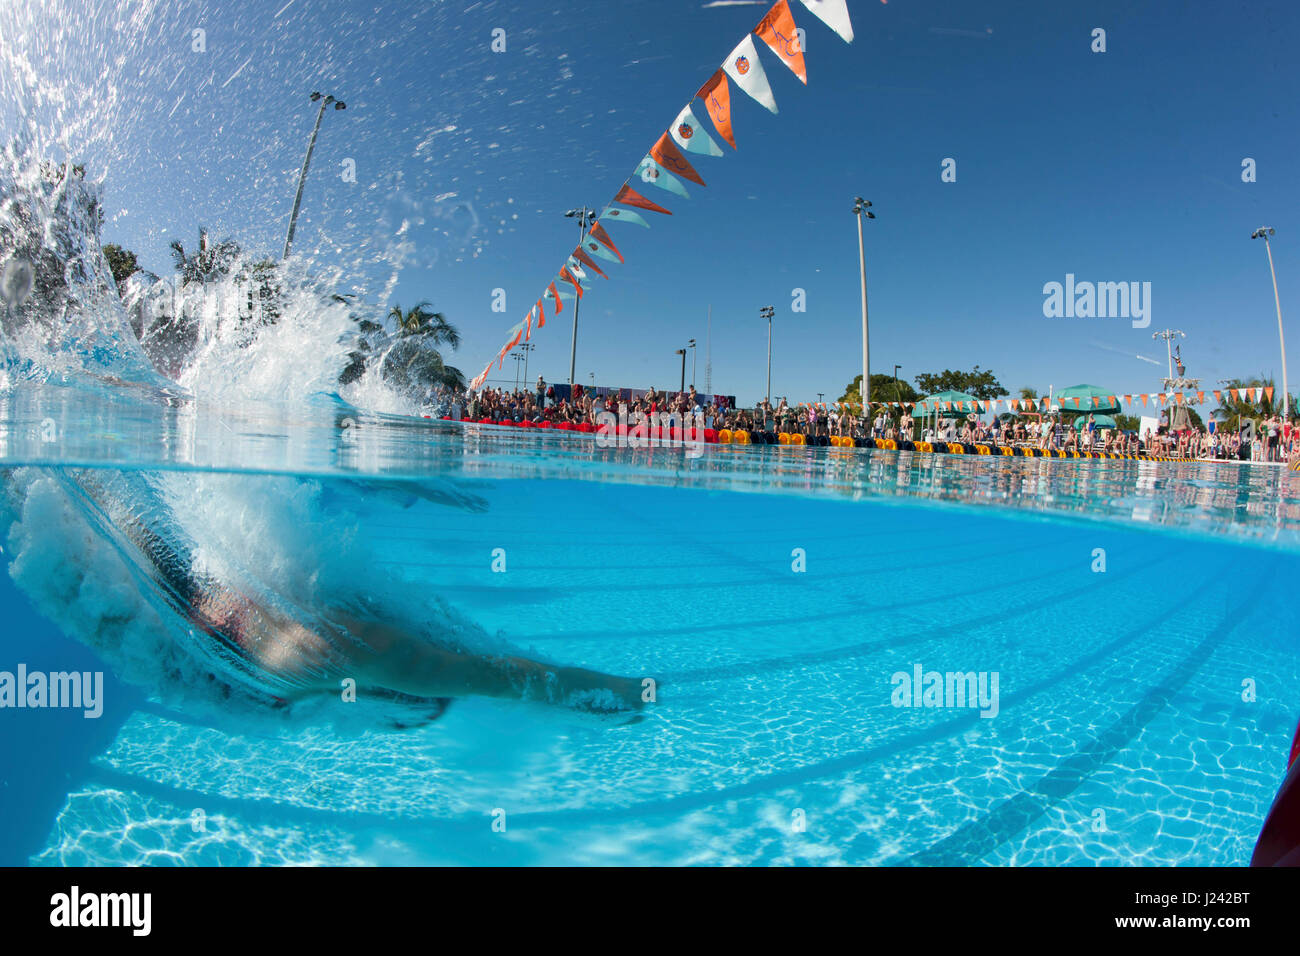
[(1143, 711)]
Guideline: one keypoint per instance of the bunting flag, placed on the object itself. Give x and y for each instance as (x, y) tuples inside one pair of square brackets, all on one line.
[(630, 197), (666, 160), (652, 174), (1218, 396), (1128, 399), (778, 31), (666, 153), (1268, 390), (1144, 401), (567, 276), (745, 68), (716, 95), (575, 267), (598, 233), (833, 13), (691, 136), (1233, 393), (589, 262), (1200, 397), (597, 249), (614, 214)]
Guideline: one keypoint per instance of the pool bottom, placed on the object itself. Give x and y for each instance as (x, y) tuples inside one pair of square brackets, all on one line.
[(1145, 698)]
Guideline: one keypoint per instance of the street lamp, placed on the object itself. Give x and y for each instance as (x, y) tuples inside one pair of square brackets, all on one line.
[(691, 345), (306, 162), (1168, 335), (766, 312), (1263, 232), (526, 348), (518, 357), (585, 217), (863, 208), (682, 353)]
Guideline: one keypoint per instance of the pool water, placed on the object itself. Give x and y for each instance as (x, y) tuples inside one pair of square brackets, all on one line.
[(1131, 614)]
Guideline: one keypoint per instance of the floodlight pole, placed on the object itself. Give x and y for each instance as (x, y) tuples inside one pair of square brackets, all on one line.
[(306, 162)]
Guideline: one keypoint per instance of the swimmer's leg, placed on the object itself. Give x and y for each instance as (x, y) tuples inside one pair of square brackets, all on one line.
[(425, 670)]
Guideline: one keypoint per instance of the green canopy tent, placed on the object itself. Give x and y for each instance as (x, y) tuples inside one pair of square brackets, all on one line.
[(962, 405), (1107, 402)]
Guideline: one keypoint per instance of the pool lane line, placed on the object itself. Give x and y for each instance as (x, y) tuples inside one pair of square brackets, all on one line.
[(975, 840), (247, 810), (937, 632)]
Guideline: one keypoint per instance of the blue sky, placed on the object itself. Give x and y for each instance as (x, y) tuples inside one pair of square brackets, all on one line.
[(1115, 166)]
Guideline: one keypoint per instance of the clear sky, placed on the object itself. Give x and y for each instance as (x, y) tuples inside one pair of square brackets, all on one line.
[(1117, 166)]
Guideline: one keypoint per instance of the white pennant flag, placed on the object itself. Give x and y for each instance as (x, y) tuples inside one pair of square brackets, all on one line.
[(653, 174), (833, 13), (576, 268), (744, 66), (691, 136)]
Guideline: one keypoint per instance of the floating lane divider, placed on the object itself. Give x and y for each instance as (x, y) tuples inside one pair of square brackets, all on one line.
[(727, 436)]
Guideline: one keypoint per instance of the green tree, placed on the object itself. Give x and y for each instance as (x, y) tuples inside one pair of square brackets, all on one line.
[(422, 320), (981, 383), (210, 261), (121, 262), (883, 389), (415, 360)]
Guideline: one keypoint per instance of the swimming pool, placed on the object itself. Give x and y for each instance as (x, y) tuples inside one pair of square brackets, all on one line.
[(1119, 626)]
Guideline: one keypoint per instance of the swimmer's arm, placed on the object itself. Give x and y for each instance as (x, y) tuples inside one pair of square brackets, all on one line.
[(422, 669)]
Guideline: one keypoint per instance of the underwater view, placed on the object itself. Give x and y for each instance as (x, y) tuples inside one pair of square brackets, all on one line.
[(287, 586)]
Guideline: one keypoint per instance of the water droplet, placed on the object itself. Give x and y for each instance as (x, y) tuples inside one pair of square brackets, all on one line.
[(16, 281)]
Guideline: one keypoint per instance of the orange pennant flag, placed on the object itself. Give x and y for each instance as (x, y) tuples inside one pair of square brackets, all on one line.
[(587, 261), (567, 276), (1112, 400), (528, 326), (1200, 396), (630, 197), (1233, 393), (559, 305), (598, 233), (1128, 399), (1144, 400), (778, 31), (1268, 390), (1076, 403), (1218, 396), (1178, 396), (541, 312), (667, 155), (716, 94)]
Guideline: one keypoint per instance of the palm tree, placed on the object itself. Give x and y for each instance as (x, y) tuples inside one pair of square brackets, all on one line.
[(208, 262), (422, 320), (417, 362)]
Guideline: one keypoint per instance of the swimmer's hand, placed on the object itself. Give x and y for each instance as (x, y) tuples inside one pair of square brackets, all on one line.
[(597, 693)]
